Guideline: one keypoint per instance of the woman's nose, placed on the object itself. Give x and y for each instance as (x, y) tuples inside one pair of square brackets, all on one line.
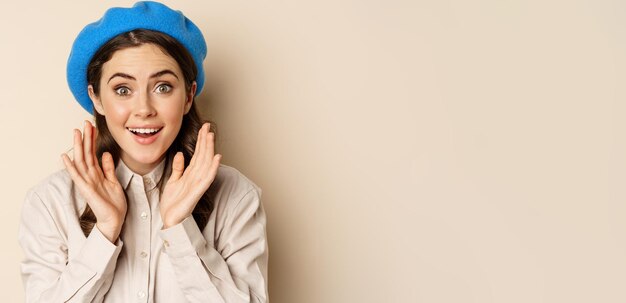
[(144, 106)]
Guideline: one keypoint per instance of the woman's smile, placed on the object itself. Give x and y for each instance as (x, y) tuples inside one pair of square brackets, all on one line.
[(145, 135)]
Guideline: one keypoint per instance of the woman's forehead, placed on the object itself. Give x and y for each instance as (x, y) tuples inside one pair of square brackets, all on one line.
[(143, 59)]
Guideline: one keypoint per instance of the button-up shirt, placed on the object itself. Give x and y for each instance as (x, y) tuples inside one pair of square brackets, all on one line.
[(226, 261)]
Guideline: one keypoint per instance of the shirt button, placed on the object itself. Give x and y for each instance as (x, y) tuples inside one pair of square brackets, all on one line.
[(166, 244), (143, 254), (141, 294), (147, 182), (144, 215)]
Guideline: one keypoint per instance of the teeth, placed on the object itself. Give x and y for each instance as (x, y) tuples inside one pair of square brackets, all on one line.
[(144, 130)]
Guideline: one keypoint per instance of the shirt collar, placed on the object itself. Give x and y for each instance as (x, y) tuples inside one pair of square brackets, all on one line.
[(150, 180)]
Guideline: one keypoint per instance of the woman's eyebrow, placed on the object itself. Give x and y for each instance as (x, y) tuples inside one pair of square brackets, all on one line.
[(155, 75), (163, 72), (123, 75)]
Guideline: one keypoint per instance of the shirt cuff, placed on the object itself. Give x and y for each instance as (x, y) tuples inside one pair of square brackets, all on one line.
[(183, 239), (98, 253)]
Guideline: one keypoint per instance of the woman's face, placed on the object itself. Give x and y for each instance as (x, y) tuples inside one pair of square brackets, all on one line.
[(143, 98)]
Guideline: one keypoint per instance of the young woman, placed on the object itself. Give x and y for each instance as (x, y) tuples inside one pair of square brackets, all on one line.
[(144, 212)]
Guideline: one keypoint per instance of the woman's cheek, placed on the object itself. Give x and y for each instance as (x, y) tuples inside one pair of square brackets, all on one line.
[(121, 111), (118, 110)]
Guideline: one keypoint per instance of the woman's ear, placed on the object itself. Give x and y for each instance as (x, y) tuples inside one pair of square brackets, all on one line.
[(189, 99), (97, 105)]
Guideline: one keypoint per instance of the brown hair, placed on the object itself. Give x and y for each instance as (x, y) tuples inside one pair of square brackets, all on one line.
[(185, 141)]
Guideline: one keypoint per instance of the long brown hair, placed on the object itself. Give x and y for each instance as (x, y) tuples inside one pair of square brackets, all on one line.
[(185, 141)]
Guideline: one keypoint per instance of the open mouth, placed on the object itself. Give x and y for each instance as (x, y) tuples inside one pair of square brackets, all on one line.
[(144, 132)]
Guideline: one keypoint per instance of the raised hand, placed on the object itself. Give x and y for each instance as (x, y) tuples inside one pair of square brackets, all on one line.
[(185, 187), (102, 190)]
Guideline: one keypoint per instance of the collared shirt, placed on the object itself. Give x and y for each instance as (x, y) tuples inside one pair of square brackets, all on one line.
[(224, 262)]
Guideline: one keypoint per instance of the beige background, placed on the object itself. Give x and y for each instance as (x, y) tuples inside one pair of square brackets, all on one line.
[(409, 151)]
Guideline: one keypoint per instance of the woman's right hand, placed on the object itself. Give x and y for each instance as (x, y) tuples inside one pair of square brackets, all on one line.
[(102, 190)]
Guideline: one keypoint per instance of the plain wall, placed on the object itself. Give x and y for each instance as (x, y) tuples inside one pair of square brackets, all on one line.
[(408, 151)]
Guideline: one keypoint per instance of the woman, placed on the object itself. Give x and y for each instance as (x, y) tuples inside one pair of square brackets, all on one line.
[(144, 212)]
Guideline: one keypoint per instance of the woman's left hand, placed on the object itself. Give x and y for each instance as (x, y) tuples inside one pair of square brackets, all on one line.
[(185, 187)]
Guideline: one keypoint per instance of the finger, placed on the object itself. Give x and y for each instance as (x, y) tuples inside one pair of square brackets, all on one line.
[(199, 145), (87, 142), (178, 166), (202, 150), (214, 167), (210, 145), (108, 166), (76, 177), (209, 152), (79, 162), (94, 148)]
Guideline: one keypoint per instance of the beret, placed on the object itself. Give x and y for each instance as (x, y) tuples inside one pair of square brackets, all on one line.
[(118, 20)]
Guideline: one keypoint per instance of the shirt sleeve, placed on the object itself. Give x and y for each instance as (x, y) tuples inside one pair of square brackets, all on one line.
[(236, 274), (47, 274)]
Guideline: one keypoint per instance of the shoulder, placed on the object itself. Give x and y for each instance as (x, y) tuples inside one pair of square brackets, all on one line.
[(232, 181), (55, 190), (50, 203), (233, 190), (57, 182)]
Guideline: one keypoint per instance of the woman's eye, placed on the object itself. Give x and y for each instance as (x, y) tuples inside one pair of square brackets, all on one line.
[(122, 91), (163, 88)]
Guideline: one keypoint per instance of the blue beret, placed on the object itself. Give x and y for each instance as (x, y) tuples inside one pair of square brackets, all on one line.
[(118, 20)]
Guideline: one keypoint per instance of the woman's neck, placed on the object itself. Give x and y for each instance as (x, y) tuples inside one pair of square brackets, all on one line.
[(138, 167)]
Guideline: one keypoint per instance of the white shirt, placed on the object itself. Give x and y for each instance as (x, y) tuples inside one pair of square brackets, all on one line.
[(225, 262)]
